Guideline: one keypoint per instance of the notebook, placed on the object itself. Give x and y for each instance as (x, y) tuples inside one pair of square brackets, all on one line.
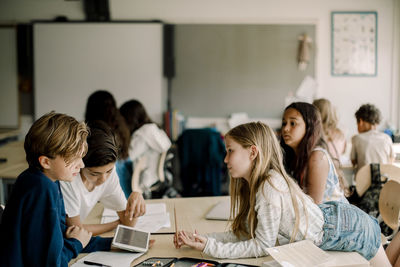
[(220, 211)]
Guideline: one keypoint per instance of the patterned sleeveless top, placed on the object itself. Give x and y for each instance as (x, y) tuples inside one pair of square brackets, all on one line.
[(333, 191)]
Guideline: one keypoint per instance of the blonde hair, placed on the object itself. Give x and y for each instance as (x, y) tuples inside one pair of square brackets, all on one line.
[(243, 193), (328, 116), (55, 134)]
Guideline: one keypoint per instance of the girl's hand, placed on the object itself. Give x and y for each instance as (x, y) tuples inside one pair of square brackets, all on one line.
[(177, 242), (193, 240)]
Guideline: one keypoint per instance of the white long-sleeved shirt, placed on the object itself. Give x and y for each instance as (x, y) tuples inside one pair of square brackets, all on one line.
[(149, 141), (275, 214)]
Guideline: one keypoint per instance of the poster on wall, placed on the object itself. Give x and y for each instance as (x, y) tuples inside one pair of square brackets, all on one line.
[(354, 43)]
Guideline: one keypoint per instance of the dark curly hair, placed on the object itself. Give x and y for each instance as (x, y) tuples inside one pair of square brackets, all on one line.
[(368, 113), (101, 105)]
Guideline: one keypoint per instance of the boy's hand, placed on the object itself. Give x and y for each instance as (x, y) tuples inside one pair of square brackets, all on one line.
[(193, 240), (79, 233), (136, 206)]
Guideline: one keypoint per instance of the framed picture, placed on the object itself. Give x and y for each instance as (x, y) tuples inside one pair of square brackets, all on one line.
[(354, 43)]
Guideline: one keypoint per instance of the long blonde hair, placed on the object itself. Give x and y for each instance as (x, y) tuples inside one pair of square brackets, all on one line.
[(328, 117), (243, 193)]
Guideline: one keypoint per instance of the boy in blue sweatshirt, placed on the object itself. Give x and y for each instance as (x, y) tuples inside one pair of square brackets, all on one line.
[(33, 230)]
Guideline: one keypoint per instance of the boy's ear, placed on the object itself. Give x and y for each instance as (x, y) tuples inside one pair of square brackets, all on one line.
[(253, 152), (44, 162)]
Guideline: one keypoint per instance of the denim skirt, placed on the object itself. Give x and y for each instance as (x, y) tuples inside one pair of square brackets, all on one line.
[(347, 228)]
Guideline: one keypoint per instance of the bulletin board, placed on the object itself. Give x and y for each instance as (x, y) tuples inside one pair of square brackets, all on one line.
[(354, 43)]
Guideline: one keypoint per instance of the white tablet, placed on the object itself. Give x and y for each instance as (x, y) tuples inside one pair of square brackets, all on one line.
[(131, 239)]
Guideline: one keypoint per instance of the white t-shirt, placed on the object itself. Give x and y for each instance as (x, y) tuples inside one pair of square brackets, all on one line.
[(79, 201), (371, 147)]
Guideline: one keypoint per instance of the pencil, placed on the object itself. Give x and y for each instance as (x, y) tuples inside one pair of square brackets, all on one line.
[(176, 225)]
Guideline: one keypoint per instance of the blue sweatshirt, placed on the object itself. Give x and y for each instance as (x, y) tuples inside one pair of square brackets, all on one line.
[(33, 225)]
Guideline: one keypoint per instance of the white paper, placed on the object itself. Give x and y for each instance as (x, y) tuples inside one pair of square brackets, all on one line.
[(155, 218), (114, 259), (302, 253)]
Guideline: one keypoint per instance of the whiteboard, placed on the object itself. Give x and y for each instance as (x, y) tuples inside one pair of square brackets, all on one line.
[(72, 60), (9, 107)]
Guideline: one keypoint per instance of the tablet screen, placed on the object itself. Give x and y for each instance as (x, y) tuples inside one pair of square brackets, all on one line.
[(131, 237)]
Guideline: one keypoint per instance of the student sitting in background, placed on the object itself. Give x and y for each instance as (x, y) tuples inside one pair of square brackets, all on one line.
[(334, 137), (306, 157), (98, 182), (33, 230), (147, 140), (370, 145), (101, 105), (266, 202)]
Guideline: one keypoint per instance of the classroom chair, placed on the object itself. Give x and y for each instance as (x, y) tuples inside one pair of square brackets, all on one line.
[(389, 207), (363, 176), (201, 158), (163, 187)]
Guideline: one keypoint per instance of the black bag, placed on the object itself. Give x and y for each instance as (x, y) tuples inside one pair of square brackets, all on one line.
[(370, 200)]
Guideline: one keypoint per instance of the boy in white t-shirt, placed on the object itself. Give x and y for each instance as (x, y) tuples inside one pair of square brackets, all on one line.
[(370, 145), (98, 182)]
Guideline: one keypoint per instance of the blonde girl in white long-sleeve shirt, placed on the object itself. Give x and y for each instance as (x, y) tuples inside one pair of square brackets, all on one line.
[(266, 202)]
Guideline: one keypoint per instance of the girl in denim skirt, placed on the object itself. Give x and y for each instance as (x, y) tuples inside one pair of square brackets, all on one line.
[(267, 202)]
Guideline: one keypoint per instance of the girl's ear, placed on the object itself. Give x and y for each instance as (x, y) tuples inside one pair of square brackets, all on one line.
[(253, 152), (44, 162)]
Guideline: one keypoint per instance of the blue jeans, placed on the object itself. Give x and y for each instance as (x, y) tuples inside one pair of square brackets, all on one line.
[(347, 228)]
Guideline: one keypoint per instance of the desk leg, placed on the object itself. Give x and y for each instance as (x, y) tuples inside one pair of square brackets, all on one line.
[(2, 192)]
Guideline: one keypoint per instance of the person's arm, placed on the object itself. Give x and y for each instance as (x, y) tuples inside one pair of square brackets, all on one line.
[(96, 229), (269, 213), (317, 174), (135, 207), (353, 153), (393, 250)]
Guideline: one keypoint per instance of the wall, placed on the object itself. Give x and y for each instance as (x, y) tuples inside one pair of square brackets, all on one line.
[(8, 79), (27, 10), (251, 67), (347, 93)]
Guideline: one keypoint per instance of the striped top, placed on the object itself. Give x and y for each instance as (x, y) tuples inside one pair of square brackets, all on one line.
[(275, 215)]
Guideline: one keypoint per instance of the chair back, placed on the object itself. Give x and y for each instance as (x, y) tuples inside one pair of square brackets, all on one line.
[(363, 176), (389, 204)]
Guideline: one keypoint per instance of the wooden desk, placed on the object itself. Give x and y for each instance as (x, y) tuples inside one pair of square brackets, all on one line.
[(190, 214), (15, 164)]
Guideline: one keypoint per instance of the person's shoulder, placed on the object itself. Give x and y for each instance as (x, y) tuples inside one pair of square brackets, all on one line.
[(33, 184), (275, 183), (73, 185), (318, 154), (34, 178), (337, 134), (273, 189)]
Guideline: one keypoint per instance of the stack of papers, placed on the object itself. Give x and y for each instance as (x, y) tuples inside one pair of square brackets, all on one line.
[(156, 217), (305, 253)]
